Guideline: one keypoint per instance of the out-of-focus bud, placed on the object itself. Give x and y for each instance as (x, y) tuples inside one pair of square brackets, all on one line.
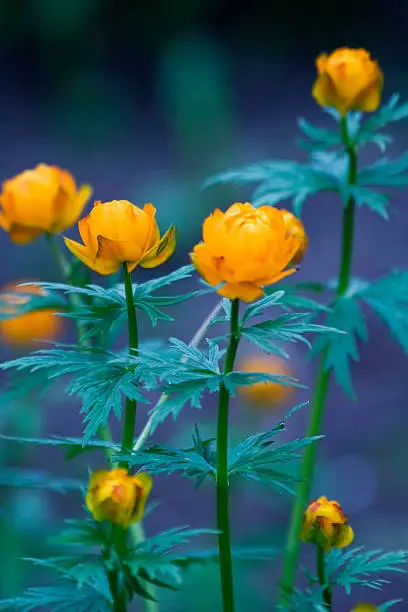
[(117, 497), (365, 607), (42, 200), (28, 329), (265, 395), (325, 524), (348, 79), (295, 228)]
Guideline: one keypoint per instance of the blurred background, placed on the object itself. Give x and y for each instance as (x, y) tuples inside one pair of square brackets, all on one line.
[(144, 100)]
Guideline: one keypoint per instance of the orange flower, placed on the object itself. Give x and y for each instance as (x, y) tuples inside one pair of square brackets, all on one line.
[(325, 523), (118, 232), (295, 228), (348, 79), (45, 199), (117, 497), (266, 395), (26, 329), (246, 248)]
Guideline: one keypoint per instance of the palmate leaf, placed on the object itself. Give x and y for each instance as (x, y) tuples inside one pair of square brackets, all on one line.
[(310, 600), (365, 568), (99, 379), (289, 327), (388, 297), (13, 303), (74, 446), (388, 113), (338, 349), (59, 599), (258, 458), (197, 462), (319, 139), (385, 173), (35, 479), (154, 560)]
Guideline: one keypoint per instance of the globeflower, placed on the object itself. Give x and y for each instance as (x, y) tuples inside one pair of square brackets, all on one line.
[(117, 497), (246, 248), (365, 607), (265, 395), (28, 328), (348, 79), (42, 200), (118, 232), (325, 524)]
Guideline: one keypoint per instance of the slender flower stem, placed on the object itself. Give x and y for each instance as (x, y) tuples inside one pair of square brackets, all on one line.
[(322, 383), (321, 572), (130, 406), (224, 542)]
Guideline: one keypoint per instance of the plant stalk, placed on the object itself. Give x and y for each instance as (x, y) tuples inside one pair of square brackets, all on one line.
[(224, 541), (130, 405), (322, 384), (321, 573)]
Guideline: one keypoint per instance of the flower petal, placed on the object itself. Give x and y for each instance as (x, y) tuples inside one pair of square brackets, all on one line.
[(23, 235), (204, 264), (144, 483), (161, 251), (70, 213), (102, 266), (345, 537), (247, 292)]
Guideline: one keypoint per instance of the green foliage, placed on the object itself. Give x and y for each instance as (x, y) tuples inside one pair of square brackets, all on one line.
[(60, 599), (74, 446), (359, 567), (388, 297), (309, 600), (258, 459), (338, 349), (197, 462), (14, 303), (102, 307), (101, 378), (36, 479), (288, 327)]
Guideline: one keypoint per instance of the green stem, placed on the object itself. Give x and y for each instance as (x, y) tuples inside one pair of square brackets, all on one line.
[(322, 385), (224, 541), (130, 406), (321, 573)]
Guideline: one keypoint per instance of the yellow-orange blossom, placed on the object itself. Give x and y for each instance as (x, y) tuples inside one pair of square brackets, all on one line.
[(348, 79), (247, 248), (118, 497), (325, 524), (118, 232), (42, 200)]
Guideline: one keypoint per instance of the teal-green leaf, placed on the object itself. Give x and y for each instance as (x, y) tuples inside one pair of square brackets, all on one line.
[(338, 349)]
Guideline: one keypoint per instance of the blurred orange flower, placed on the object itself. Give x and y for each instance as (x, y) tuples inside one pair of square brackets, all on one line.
[(117, 497), (118, 232), (325, 524), (26, 329), (348, 79), (246, 248), (365, 607), (44, 199), (267, 395)]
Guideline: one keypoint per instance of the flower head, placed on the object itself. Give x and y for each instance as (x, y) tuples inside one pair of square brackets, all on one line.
[(28, 328), (325, 523), (246, 248), (118, 497), (44, 199), (118, 232), (365, 607), (348, 79), (266, 395)]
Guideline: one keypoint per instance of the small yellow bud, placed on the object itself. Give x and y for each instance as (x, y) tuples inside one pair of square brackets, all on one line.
[(117, 497), (365, 607), (325, 524)]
